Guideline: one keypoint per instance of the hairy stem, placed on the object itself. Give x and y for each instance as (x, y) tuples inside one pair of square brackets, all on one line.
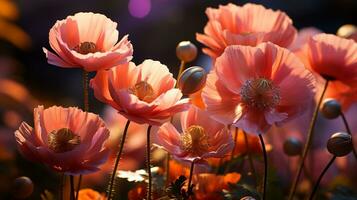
[(265, 166), (148, 160), (349, 132)]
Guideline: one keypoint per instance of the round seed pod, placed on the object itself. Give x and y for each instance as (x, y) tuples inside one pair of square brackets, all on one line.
[(247, 198), (331, 108), (346, 30), (340, 144), (192, 80), (22, 187), (292, 146), (186, 51)]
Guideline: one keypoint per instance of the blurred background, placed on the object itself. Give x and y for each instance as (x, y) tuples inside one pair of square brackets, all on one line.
[(154, 27)]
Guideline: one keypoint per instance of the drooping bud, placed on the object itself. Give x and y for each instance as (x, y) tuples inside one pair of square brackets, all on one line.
[(192, 80), (22, 187), (346, 30), (186, 51), (340, 144), (292, 146), (331, 108)]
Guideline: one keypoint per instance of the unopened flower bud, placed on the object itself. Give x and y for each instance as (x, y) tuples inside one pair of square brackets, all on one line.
[(192, 80), (346, 30), (340, 144), (22, 187), (247, 198), (292, 146), (331, 108), (186, 51)]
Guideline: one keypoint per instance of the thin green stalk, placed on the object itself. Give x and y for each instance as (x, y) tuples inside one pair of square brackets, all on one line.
[(320, 177), (307, 144), (148, 166), (349, 132), (265, 166), (72, 187), (116, 164), (190, 177)]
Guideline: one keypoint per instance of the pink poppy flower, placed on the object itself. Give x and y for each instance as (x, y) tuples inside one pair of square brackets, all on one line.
[(335, 59), (66, 139), (256, 87), (249, 25), (201, 137), (144, 94), (88, 41)]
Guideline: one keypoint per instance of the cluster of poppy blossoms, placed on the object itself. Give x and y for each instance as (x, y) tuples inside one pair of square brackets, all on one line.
[(264, 74)]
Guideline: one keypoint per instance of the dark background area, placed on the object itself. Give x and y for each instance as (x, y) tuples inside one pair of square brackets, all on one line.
[(154, 36)]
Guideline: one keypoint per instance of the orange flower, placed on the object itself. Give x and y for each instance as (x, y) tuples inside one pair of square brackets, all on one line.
[(209, 186), (249, 25), (89, 194), (253, 144)]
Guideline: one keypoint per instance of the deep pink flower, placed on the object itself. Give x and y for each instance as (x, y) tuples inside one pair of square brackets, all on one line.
[(249, 25), (66, 139), (88, 41), (144, 94), (201, 137), (256, 87)]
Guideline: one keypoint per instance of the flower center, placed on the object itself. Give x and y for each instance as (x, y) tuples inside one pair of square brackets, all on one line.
[(195, 140), (143, 91), (63, 140), (86, 48), (260, 94)]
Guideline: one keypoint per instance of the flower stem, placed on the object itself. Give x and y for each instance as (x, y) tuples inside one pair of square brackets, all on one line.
[(265, 166), (86, 109), (116, 164), (148, 160), (250, 158), (320, 178), (349, 132), (72, 187), (307, 144), (182, 67), (85, 91), (61, 185), (190, 177), (78, 186)]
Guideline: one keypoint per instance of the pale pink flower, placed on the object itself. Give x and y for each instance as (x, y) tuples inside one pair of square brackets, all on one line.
[(256, 87), (249, 25), (66, 139), (335, 59), (144, 94), (88, 41), (201, 137)]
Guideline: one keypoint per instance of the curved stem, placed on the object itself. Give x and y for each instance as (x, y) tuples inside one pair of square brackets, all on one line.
[(72, 187), (349, 132), (265, 166), (251, 163), (148, 160), (190, 177), (307, 144), (117, 159), (320, 178)]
